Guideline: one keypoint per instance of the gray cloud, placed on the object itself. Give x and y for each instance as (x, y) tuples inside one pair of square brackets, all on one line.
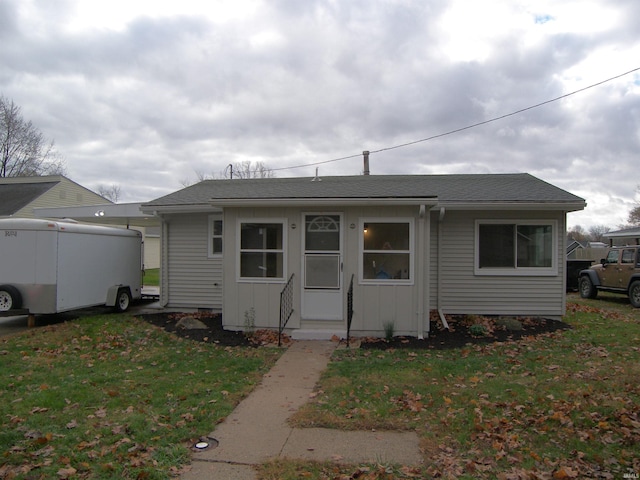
[(150, 104)]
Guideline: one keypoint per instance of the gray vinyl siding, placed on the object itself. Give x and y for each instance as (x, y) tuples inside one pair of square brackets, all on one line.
[(263, 296), (193, 279), (374, 305), (457, 290)]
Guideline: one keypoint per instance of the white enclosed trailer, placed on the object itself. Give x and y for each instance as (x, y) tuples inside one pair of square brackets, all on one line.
[(52, 267)]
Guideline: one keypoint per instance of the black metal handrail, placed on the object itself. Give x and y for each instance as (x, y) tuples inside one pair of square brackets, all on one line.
[(286, 307), (349, 308)]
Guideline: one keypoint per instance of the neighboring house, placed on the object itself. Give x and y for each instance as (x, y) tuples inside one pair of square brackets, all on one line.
[(573, 247), (414, 244), (626, 236), (20, 195)]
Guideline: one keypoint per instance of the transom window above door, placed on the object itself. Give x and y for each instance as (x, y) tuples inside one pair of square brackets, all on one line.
[(322, 233)]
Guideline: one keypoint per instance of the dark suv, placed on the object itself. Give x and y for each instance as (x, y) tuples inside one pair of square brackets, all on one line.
[(619, 272)]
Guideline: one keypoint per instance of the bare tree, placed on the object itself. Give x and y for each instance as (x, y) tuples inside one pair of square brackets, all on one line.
[(111, 193), (239, 170), (248, 169), (578, 234), (634, 214), (596, 233), (24, 152)]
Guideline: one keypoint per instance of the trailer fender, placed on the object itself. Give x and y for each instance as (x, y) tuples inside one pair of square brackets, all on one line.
[(119, 297)]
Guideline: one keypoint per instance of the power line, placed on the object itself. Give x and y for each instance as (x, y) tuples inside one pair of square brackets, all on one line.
[(457, 130)]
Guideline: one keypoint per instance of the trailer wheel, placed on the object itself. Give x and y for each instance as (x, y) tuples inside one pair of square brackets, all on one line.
[(123, 300), (10, 298)]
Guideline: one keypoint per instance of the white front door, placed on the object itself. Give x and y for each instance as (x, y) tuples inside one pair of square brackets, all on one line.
[(322, 267)]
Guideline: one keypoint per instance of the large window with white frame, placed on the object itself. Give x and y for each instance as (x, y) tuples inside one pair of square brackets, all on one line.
[(215, 236), (262, 247), (505, 247), (386, 250)]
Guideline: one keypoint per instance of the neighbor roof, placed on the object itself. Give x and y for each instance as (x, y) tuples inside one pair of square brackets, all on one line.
[(444, 190), (15, 196)]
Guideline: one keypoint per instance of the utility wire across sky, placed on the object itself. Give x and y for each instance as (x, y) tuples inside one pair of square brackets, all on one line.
[(457, 130)]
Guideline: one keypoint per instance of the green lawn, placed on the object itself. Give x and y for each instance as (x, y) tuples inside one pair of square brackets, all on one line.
[(113, 397), (562, 405), (151, 277)]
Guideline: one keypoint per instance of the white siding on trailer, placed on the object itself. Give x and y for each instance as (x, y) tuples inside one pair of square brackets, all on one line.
[(193, 279), (460, 291)]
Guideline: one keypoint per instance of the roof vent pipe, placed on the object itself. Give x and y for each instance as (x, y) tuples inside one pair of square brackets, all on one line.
[(365, 154)]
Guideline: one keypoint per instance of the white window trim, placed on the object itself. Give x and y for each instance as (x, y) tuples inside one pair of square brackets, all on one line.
[(210, 252), (361, 251), (284, 223), (515, 270)]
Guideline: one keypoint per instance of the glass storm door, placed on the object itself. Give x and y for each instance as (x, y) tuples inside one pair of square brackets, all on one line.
[(322, 267)]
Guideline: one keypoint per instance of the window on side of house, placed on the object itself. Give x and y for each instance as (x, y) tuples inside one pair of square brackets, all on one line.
[(386, 251), (262, 250), (215, 236), (516, 248)]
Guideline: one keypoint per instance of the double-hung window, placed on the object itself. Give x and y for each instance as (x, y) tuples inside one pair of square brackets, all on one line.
[(386, 250), (262, 246), (215, 235), (516, 248)]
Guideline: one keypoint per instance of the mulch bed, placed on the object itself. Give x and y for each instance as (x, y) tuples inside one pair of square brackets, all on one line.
[(458, 336)]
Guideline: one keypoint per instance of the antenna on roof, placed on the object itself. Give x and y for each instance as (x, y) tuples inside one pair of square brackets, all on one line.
[(365, 154), (316, 178)]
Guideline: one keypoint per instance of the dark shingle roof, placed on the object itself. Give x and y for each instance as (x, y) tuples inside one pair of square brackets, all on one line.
[(448, 189), (14, 196)]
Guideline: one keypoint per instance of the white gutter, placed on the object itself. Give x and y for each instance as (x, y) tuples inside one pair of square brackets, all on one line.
[(324, 202), (568, 207)]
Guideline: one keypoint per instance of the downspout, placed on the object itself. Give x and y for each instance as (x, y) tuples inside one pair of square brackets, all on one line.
[(439, 270), (164, 261), (422, 268)]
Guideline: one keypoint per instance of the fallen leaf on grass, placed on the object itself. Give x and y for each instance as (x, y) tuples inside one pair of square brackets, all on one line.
[(66, 472), (565, 472)]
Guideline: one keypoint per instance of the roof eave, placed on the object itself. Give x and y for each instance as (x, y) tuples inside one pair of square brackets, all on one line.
[(563, 206), (324, 202), (150, 209)]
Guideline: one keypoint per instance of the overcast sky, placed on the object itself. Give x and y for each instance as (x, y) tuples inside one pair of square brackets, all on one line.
[(147, 94)]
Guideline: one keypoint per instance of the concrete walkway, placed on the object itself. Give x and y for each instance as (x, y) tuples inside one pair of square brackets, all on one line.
[(257, 429)]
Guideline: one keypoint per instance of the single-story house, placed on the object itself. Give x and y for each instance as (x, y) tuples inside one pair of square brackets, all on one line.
[(412, 244)]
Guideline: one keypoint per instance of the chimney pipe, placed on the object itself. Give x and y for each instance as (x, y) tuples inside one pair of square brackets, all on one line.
[(366, 162)]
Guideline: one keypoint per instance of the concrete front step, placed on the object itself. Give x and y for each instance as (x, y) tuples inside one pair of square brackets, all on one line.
[(317, 334)]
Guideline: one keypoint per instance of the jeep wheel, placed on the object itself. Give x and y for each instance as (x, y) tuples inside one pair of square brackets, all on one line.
[(587, 290), (634, 294)]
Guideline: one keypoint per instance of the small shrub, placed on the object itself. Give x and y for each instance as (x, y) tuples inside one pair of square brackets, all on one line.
[(478, 330), (250, 322), (389, 330)]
